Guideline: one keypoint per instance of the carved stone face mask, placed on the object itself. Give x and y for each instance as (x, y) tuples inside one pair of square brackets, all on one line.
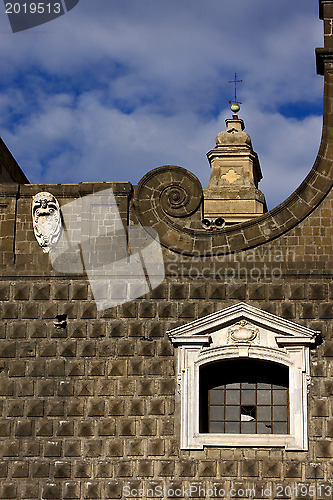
[(46, 220)]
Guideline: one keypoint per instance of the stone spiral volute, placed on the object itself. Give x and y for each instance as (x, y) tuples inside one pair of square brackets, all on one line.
[(169, 190), (168, 199), (173, 190)]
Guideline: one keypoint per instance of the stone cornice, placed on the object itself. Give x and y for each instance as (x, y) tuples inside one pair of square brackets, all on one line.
[(324, 56)]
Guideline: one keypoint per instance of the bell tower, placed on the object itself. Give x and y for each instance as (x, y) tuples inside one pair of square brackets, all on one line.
[(232, 192)]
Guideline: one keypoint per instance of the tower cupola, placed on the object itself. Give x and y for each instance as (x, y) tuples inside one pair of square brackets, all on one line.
[(232, 192)]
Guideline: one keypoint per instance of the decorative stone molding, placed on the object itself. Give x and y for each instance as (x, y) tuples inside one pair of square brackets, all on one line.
[(243, 332), (46, 220), (231, 176), (277, 340)]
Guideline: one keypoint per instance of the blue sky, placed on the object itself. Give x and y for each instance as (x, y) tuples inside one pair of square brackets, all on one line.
[(115, 88)]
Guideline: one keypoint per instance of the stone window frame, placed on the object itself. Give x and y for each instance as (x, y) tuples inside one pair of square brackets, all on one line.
[(271, 338)]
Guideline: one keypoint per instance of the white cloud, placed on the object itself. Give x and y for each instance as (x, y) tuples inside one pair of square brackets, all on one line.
[(90, 142), (113, 89)]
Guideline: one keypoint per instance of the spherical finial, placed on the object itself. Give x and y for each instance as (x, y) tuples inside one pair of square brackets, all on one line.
[(235, 107)]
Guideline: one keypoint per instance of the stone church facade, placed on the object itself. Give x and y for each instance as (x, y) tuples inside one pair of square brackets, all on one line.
[(209, 376)]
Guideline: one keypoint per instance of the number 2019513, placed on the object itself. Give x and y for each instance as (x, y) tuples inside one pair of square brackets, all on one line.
[(304, 490), (33, 8)]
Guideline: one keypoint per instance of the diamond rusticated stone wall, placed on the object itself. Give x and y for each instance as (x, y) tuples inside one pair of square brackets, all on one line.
[(90, 404)]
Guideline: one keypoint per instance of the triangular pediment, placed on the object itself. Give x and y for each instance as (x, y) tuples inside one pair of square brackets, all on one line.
[(248, 316)]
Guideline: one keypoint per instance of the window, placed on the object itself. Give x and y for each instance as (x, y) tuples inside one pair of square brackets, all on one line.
[(242, 380), (244, 396)]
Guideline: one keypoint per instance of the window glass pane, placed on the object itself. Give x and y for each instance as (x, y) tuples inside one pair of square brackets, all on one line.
[(280, 397), (264, 397), (232, 397), (262, 385), (246, 385), (216, 427), (264, 428), (264, 413), (248, 427), (233, 386), (280, 413), (216, 396), (233, 427), (278, 386), (280, 428), (216, 413), (232, 413), (248, 397)]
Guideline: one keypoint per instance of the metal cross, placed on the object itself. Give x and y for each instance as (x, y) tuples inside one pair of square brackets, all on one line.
[(235, 81)]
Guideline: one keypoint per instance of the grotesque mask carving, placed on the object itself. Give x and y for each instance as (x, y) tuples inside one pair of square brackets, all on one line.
[(46, 220)]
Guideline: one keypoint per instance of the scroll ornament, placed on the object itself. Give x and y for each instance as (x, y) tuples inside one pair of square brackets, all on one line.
[(46, 220), (168, 190)]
